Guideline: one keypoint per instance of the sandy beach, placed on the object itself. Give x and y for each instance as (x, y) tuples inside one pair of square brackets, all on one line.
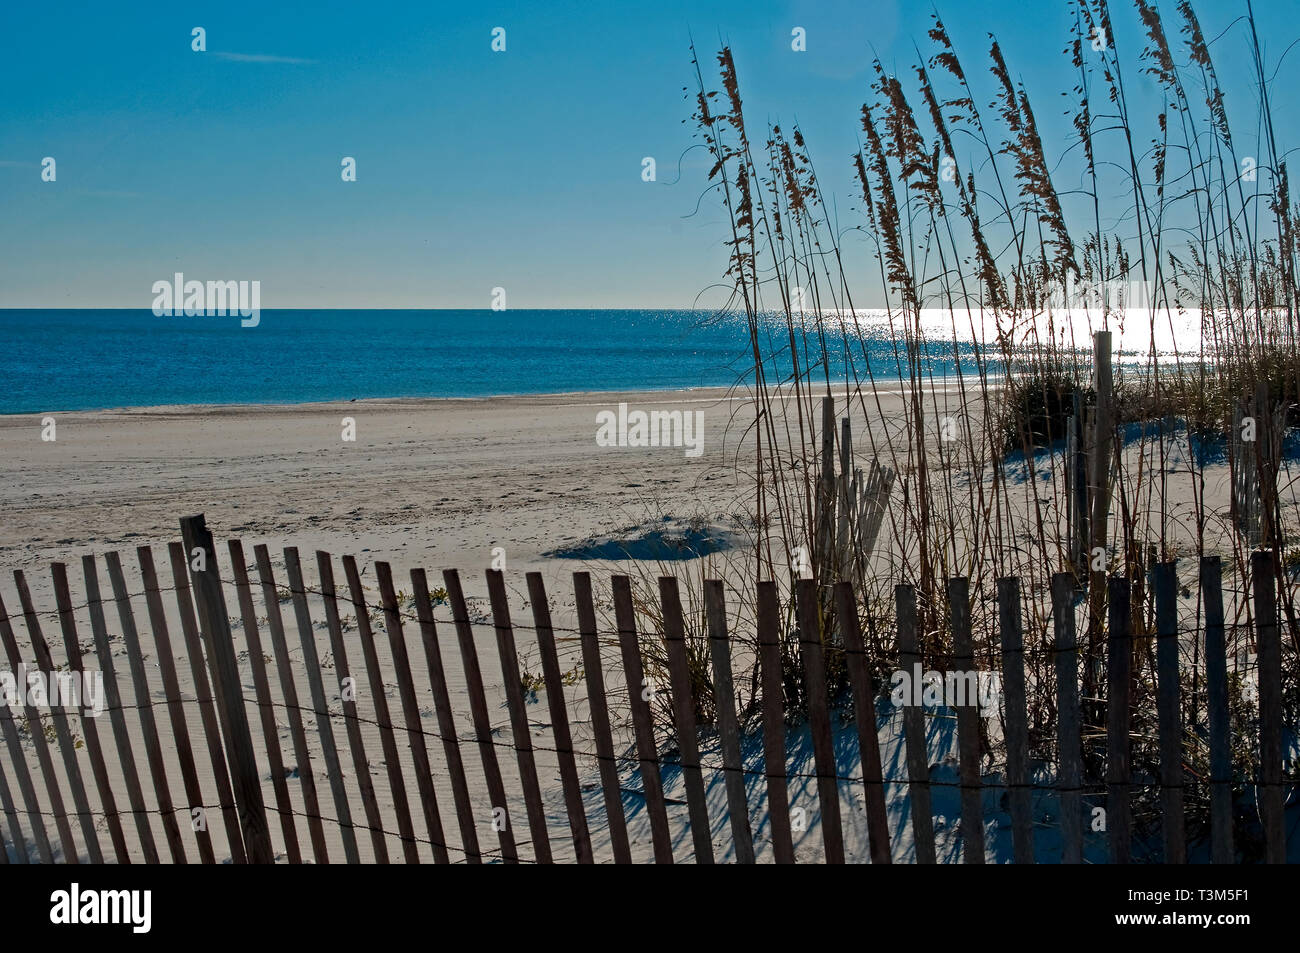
[(430, 482), (433, 483)]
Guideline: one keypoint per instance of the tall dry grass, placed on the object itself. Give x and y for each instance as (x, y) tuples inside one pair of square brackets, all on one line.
[(967, 214)]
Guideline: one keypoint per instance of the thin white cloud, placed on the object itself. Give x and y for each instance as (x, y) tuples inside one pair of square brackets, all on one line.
[(259, 58)]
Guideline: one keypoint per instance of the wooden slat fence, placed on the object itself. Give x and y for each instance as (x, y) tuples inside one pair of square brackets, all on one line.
[(574, 780)]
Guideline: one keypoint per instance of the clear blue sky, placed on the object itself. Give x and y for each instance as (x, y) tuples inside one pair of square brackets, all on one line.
[(475, 169)]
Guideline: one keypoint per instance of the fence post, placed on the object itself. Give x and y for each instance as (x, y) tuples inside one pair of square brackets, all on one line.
[(72, 646), (555, 700), (37, 736), (1119, 652), (351, 725), (517, 709), (864, 711), (1245, 477), (774, 760), (918, 760), (1013, 681), (1269, 649), (1077, 474), (1170, 714), (320, 704), (968, 726), (18, 757), (639, 691), (1099, 488), (479, 713), (1216, 683), (144, 707), (15, 829), (289, 691), (230, 698), (411, 713), (606, 763), (1069, 780), (176, 707), (819, 720), (441, 699), (683, 705), (724, 701), (60, 719), (1103, 421), (827, 499), (266, 713)]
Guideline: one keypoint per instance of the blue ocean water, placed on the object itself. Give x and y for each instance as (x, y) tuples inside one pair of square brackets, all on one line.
[(92, 359)]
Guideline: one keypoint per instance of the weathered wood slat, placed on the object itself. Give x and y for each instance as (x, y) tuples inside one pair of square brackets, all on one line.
[(1013, 682), (220, 644), (479, 713), (819, 721), (774, 756), (411, 713), (643, 725), (62, 730), (824, 550), (1118, 782), (11, 818), (265, 705), (18, 765), (518, 710), (1101, 463), (864, 713), (176, 714), (724, 700), (1222, 850), (43, 759), (72, 646), (968, 722), (918, 759), (683, 705), (206, 705), (555, 699), (144, 708), (1170, 714), (1269, 659), (116, 715), (22, 774), (595, 678), (347, 699), (1068, 731), (293, 711), (320, 702), (375, 678), (446, 721)]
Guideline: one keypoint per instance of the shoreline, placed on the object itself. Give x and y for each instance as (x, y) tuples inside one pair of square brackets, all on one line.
[(425, 481), (677, 395)]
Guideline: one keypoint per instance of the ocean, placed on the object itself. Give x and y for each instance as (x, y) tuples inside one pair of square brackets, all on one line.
[(64, 360)]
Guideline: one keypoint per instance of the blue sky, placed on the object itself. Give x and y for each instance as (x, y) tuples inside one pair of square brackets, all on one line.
[(475, 169)]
